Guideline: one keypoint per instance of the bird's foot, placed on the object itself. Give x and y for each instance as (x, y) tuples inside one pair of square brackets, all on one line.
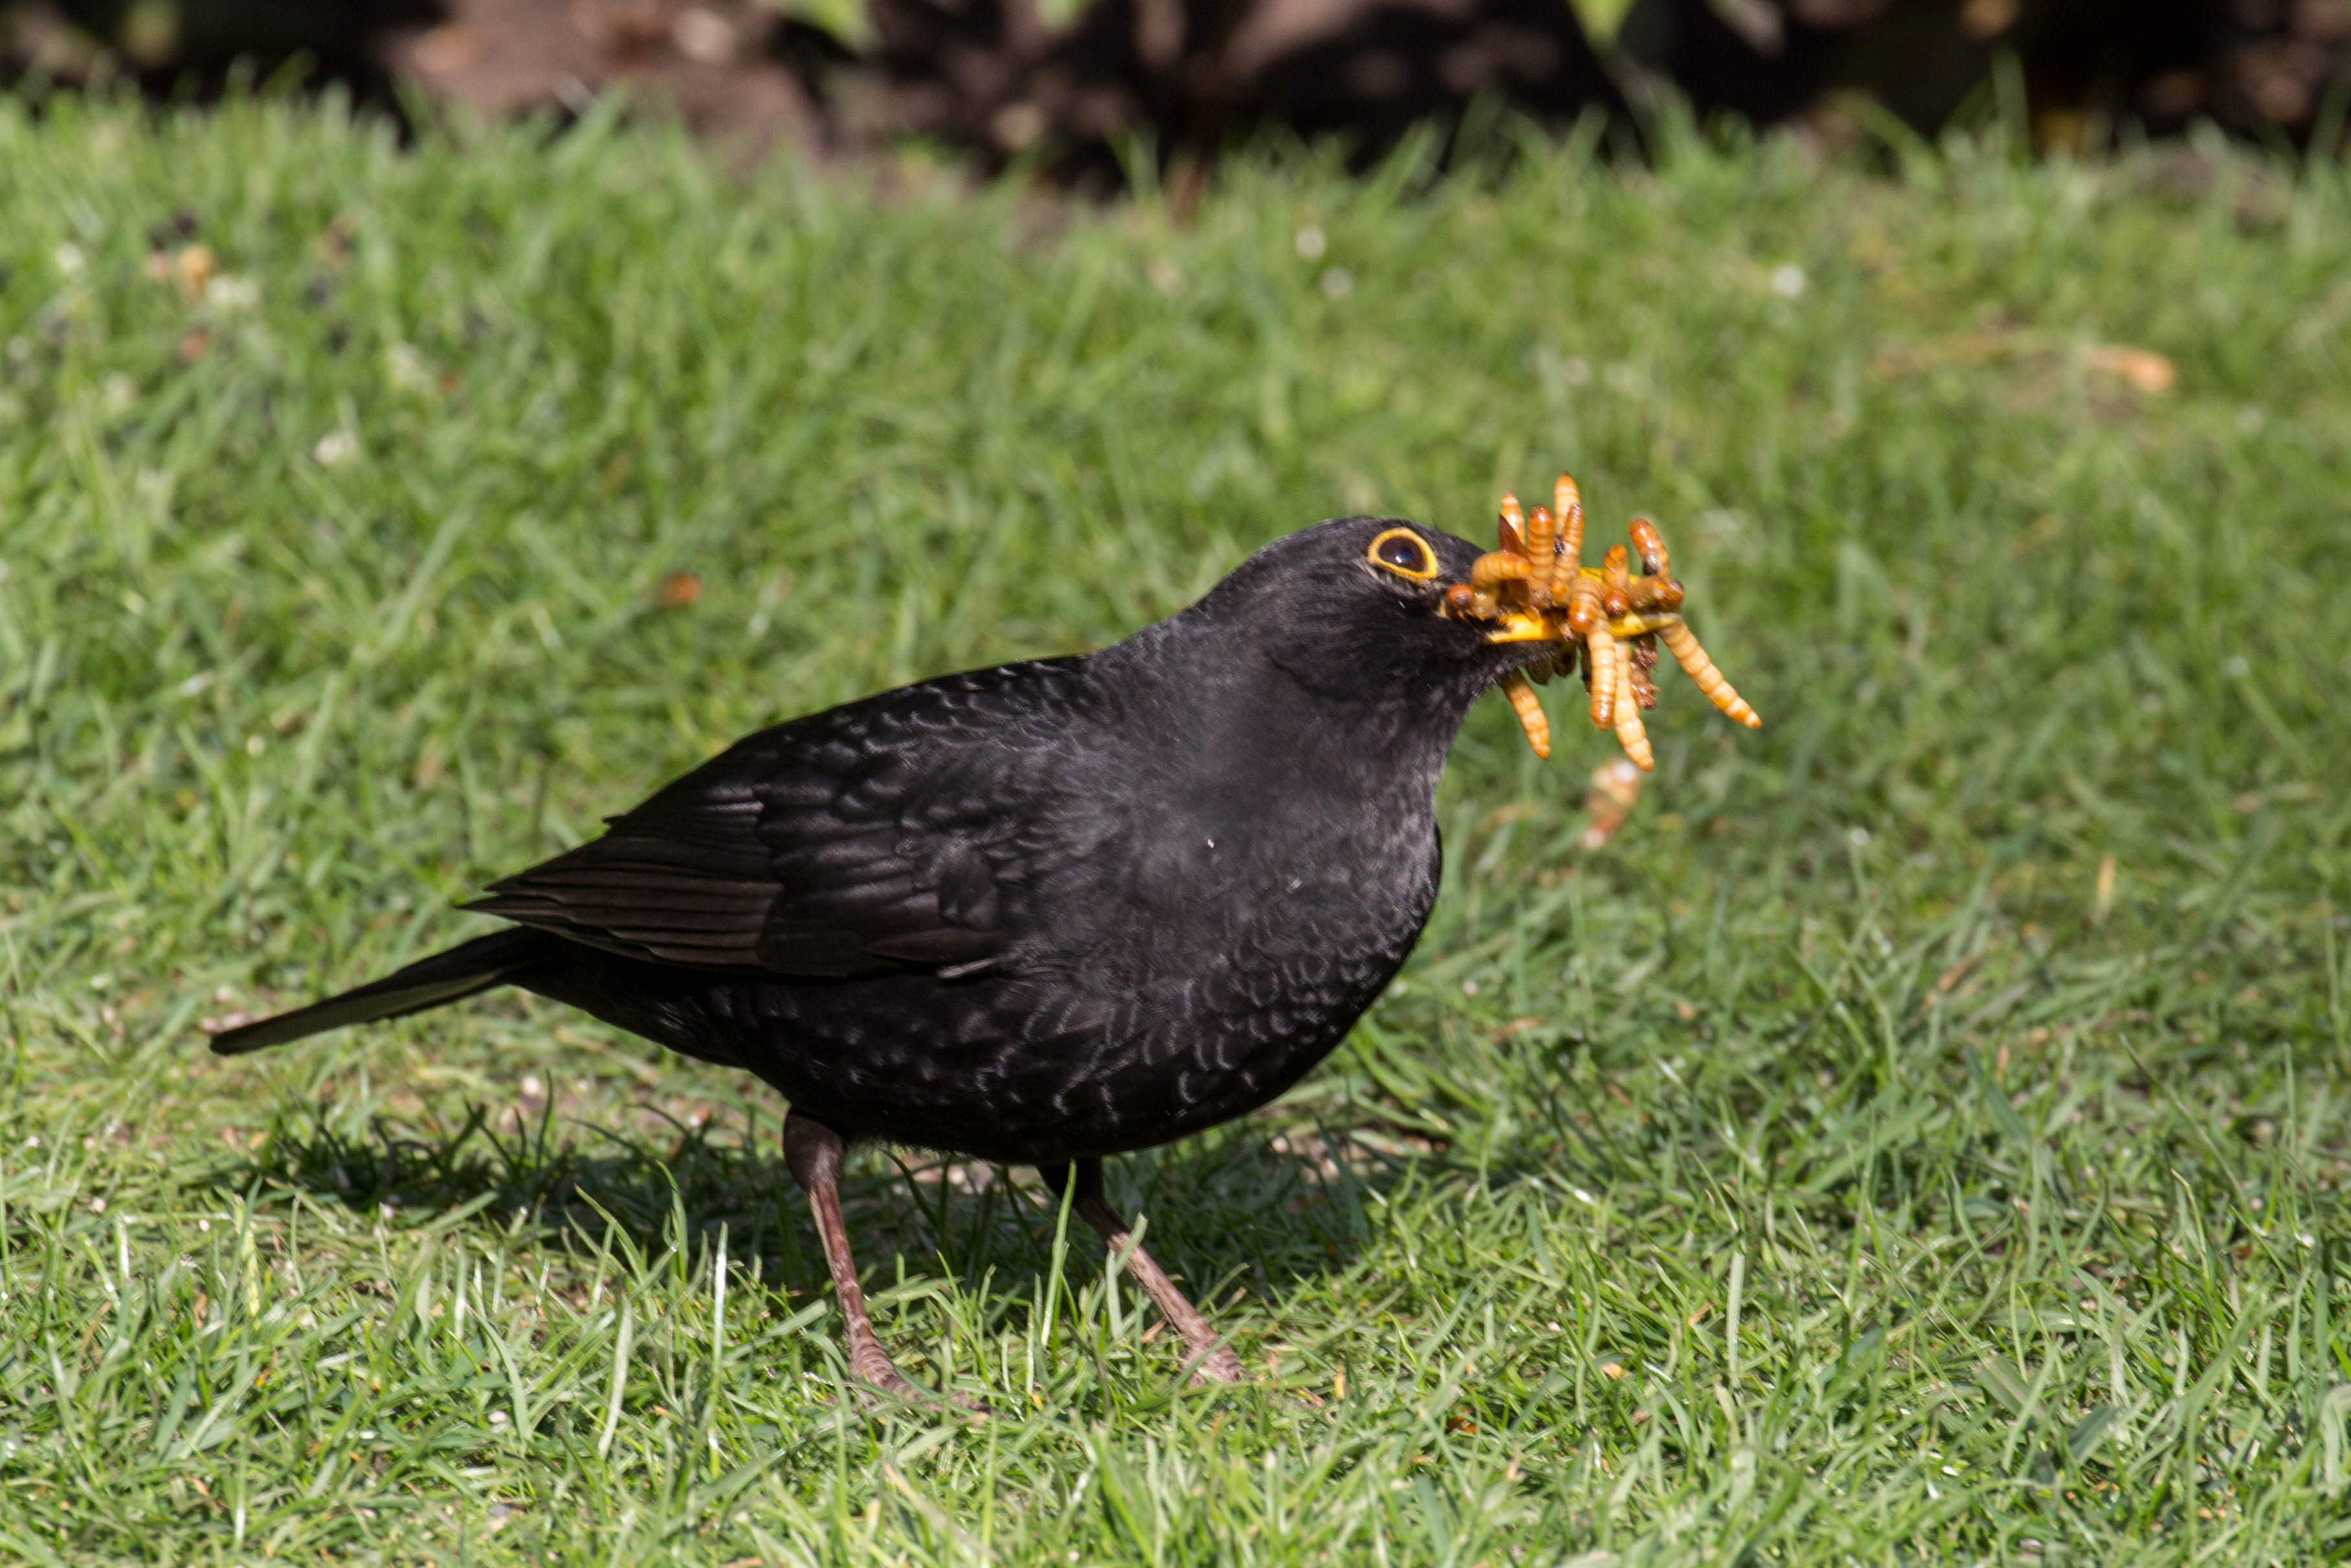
[(875, 1396), (814, 1152), (1215, 1362), (1207, 1357), (871, 1365)]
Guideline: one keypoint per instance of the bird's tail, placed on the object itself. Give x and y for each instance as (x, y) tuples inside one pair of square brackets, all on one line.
[(467, 968)]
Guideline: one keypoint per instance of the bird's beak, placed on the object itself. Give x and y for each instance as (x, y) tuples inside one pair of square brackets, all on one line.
[(1519, 626), (1472, 599)]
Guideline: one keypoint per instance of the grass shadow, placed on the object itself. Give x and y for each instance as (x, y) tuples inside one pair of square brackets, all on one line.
[(1240, 1206)]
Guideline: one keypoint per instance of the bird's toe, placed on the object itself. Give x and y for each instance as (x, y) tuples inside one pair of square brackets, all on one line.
[(1220, 1365)]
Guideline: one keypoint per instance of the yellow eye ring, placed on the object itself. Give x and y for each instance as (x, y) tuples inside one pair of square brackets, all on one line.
[(1405, 553)]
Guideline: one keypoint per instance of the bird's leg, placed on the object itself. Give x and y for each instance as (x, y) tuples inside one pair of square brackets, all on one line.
[(813, 1152), (1210, 1359)]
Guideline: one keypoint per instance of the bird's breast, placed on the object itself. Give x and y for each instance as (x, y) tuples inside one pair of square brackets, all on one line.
[(1243, 949)]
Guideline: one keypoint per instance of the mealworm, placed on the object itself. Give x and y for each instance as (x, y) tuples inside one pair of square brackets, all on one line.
[(1615, 582), (1567, 502), (1541, 534), (1629, 732), (1529, 710), (1498, 567), (1650, 545), (1582, 602), (1702, 672), (1607, 662)]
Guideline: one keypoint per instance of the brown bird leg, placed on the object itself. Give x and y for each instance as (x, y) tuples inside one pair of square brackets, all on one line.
[(1210, 1359), (813, 1152)]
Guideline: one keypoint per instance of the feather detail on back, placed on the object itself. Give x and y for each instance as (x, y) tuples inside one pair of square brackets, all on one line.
[(819, 847)]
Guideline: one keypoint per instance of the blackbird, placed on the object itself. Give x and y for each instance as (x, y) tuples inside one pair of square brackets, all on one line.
[(1036, 914)]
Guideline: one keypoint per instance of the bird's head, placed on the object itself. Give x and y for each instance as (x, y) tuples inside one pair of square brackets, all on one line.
[(1365, 608)]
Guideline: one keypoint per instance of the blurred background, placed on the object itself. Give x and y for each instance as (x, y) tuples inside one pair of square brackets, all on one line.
[(1087, 91)]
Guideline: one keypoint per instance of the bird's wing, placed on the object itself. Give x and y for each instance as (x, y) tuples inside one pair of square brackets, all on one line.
[(902, 831)]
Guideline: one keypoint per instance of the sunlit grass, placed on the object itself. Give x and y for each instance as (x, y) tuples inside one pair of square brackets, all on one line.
[(1919, 1133)]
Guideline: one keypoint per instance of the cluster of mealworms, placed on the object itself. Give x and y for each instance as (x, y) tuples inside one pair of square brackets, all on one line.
[(1608, 620)]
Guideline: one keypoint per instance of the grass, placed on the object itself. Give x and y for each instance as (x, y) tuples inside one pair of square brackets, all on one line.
[(1920, 1133)]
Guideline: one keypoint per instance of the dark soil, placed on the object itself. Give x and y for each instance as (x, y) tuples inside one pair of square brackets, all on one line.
[(1175, 82)]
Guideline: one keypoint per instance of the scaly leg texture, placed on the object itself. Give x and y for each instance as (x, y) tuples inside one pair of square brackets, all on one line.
[(1210, 1359), (813, 1152)]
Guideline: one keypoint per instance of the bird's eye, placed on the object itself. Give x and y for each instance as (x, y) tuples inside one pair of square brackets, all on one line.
[(1405, 553)]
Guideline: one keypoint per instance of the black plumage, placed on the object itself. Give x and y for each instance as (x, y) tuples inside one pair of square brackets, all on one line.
[(1039, 913)]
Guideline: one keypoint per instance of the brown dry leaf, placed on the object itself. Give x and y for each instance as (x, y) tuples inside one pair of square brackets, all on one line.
[(2141, 368), (681, 590), (195, 267)]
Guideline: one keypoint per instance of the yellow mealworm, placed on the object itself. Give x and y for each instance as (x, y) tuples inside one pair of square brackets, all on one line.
[(1568, 503), (1629, 732), (1608, 673), (1650, 545), (1624, 628), (1513, 528), (1582, 602), (1529, 710), (1498, 567), (1701, 670), (1567, 551), (1615, 582), (1542, 532)]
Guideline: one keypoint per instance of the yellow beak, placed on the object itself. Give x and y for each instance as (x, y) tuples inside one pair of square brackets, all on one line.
[(1519, 626)]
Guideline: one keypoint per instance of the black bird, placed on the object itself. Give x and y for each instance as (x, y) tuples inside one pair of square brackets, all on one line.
[(1036, 914)]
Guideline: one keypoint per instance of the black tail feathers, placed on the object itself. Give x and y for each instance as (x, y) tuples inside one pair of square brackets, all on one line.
[(464, 969)]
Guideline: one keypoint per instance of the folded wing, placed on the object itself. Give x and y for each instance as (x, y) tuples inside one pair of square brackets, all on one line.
[(890, 833)]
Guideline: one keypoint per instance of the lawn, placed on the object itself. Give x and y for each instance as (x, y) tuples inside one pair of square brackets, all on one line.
[(1921, 1133)]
